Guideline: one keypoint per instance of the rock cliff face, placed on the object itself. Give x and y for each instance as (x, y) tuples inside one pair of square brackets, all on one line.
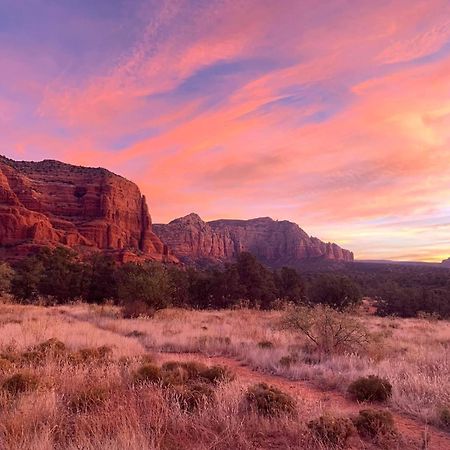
[(273, 242), (49, 203)]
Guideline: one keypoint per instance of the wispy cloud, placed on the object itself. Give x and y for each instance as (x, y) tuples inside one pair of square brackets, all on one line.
[(333, 114)]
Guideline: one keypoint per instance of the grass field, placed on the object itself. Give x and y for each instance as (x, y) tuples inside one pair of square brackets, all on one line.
[(81, 389)]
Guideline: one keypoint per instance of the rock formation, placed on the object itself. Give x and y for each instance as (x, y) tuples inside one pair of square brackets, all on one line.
[(273, 242), (51, 203)]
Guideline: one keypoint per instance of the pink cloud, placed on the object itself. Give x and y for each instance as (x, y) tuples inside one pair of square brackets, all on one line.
[(338, 123)]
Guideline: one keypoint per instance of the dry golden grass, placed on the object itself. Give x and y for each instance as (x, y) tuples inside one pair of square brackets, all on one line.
[(413, 354), (115, 413)]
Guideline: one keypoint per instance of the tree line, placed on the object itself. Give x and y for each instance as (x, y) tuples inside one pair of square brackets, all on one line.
[(58, 276)]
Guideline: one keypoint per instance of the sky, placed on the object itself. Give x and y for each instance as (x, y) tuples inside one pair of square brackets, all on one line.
[(334, 114)]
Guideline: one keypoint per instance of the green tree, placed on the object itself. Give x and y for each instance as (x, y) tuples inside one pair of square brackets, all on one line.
[(180, 282), (214, 288), (63, 276), (143, 289), (290, 285), (257, 282), (201, 289), (26, 279), (404, 301), (6, 276), (334, 290), (101, 279)]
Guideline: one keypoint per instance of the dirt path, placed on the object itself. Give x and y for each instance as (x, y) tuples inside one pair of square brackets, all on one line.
[(418, 435)]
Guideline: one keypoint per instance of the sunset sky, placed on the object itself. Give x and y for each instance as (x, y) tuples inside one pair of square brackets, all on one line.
[(334, 114)]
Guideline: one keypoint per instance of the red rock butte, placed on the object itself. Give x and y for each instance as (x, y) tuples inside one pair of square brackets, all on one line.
[(273, 242), (51, 203)]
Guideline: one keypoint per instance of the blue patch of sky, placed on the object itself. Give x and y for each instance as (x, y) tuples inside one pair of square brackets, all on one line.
[(328, 97), (389, 68), (215, 83), (441, 53), (80, 36), (128, 140)]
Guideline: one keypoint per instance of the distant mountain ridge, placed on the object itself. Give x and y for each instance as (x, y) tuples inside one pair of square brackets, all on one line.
[(397, 263), (275, 243)]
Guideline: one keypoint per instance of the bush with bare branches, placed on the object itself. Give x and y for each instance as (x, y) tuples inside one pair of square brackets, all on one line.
[(327, 330)]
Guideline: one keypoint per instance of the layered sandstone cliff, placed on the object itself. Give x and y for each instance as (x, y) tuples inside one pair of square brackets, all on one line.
[(50, 203), (275, 243)]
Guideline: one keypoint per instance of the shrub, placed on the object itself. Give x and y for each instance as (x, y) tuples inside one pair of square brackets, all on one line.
[(218, 374), (430, 317), (32, 357), (370, 389), (332, 431), (52, 346), (327, 330), (194, 369), (147, 359), (88, 400), (174, 372), (311, 359), (287, 361), (265, 344), (86, 355), (148, 373), (194, 396), (269, 401), (372, 423), (6, 275), (444, 416), (213, 341), (5, 364), (20, 382), (11, 356), (135, 334), (171, 365), (135, 309)]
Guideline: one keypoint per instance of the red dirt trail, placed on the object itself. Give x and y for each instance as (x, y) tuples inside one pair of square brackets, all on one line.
[(418, 434), (415, 434)]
